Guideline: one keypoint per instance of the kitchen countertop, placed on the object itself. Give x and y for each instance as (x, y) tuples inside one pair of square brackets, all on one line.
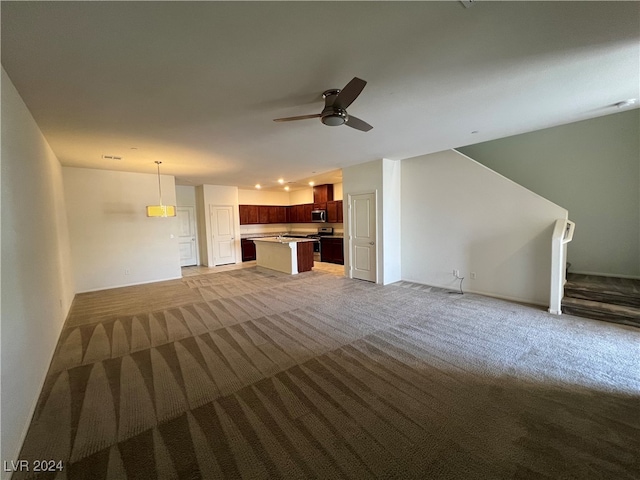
[(251, 236), (283, 239)]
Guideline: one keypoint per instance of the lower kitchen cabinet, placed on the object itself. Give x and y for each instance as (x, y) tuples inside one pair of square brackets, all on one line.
[(248, 250), (332, 250)]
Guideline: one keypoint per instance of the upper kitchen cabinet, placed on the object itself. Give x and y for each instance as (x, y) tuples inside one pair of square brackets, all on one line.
[(322, 194), (278, 214), (334, 211), (248, 214)]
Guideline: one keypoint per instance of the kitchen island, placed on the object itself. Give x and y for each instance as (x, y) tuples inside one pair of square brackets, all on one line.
[(285, 254)]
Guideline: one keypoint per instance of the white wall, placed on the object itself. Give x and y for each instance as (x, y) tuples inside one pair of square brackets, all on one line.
[(113, 242), (223, 196), (298, 197), (458, 214), (37, 284), (391, 220), (592, 168), (262, 197), (185, 195)]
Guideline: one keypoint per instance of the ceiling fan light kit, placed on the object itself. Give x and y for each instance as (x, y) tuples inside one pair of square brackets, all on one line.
[(336, 102)]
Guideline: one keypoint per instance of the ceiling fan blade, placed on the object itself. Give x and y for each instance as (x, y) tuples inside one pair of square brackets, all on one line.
[(301, 117), (349, 93), (355, 122)]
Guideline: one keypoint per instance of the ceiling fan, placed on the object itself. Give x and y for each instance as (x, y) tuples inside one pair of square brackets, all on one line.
[(335, 107)]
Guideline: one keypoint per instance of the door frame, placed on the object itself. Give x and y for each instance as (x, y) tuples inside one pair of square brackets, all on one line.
[(350, 231)]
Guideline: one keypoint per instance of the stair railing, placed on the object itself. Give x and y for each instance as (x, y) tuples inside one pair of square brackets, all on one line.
[(562, 234)]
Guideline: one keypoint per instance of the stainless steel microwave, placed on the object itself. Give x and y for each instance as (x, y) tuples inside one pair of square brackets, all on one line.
[(318, 215)]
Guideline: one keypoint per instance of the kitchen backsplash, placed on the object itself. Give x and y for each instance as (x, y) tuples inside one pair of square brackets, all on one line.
[(302, 228)]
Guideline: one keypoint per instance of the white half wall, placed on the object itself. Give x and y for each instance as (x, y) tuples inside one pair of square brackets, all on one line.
[(113, 242), (37, 282), (458, 214), (592, 168)]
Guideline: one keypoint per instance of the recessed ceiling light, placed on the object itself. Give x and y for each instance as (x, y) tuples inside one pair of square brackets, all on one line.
[(626, 103), (287, 188), (258, 186), (281, 181), (311, 184)]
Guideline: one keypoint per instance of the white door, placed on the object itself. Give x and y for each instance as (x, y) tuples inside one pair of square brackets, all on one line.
[(223, 241), (187, 236), (362, 211)]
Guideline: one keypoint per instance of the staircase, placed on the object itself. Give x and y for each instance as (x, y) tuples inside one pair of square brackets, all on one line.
[(603, 298)]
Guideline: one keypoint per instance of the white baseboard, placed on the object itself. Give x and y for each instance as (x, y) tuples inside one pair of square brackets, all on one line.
[(525, 301), (130, 284)]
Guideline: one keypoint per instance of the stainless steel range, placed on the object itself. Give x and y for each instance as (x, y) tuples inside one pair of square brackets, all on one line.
[(322, 232)]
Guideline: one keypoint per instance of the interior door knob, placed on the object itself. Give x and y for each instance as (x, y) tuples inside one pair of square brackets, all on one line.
[(370, 243)]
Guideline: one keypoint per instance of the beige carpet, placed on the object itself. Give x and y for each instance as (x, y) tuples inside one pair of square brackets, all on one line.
[(247, 374)]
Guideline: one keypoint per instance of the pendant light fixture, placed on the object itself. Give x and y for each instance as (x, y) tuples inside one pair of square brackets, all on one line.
[(160, 210)]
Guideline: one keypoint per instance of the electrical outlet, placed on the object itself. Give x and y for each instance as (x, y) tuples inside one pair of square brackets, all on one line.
[(473, 275), (456, 273)]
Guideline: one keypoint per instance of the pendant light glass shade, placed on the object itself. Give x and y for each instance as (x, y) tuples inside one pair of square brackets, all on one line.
[(160, 210)]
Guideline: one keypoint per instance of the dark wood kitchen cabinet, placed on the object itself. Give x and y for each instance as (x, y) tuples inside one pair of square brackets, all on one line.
[(334, 211), (332, 250), (301, 213), (296, 213), (305, 256), (263, 214), (248, 214), (322, 193), (308, 208), (278, 214), (248, 250)]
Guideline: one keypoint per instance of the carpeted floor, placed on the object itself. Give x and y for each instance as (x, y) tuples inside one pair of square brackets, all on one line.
[(249, 374)]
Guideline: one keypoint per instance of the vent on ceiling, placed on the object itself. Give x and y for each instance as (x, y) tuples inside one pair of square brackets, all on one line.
[(111, 157)]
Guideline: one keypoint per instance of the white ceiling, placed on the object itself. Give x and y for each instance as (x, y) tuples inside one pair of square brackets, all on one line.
[(197, 84)]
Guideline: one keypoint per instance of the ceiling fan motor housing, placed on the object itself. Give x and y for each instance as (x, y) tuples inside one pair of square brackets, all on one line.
[(334, 117)]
